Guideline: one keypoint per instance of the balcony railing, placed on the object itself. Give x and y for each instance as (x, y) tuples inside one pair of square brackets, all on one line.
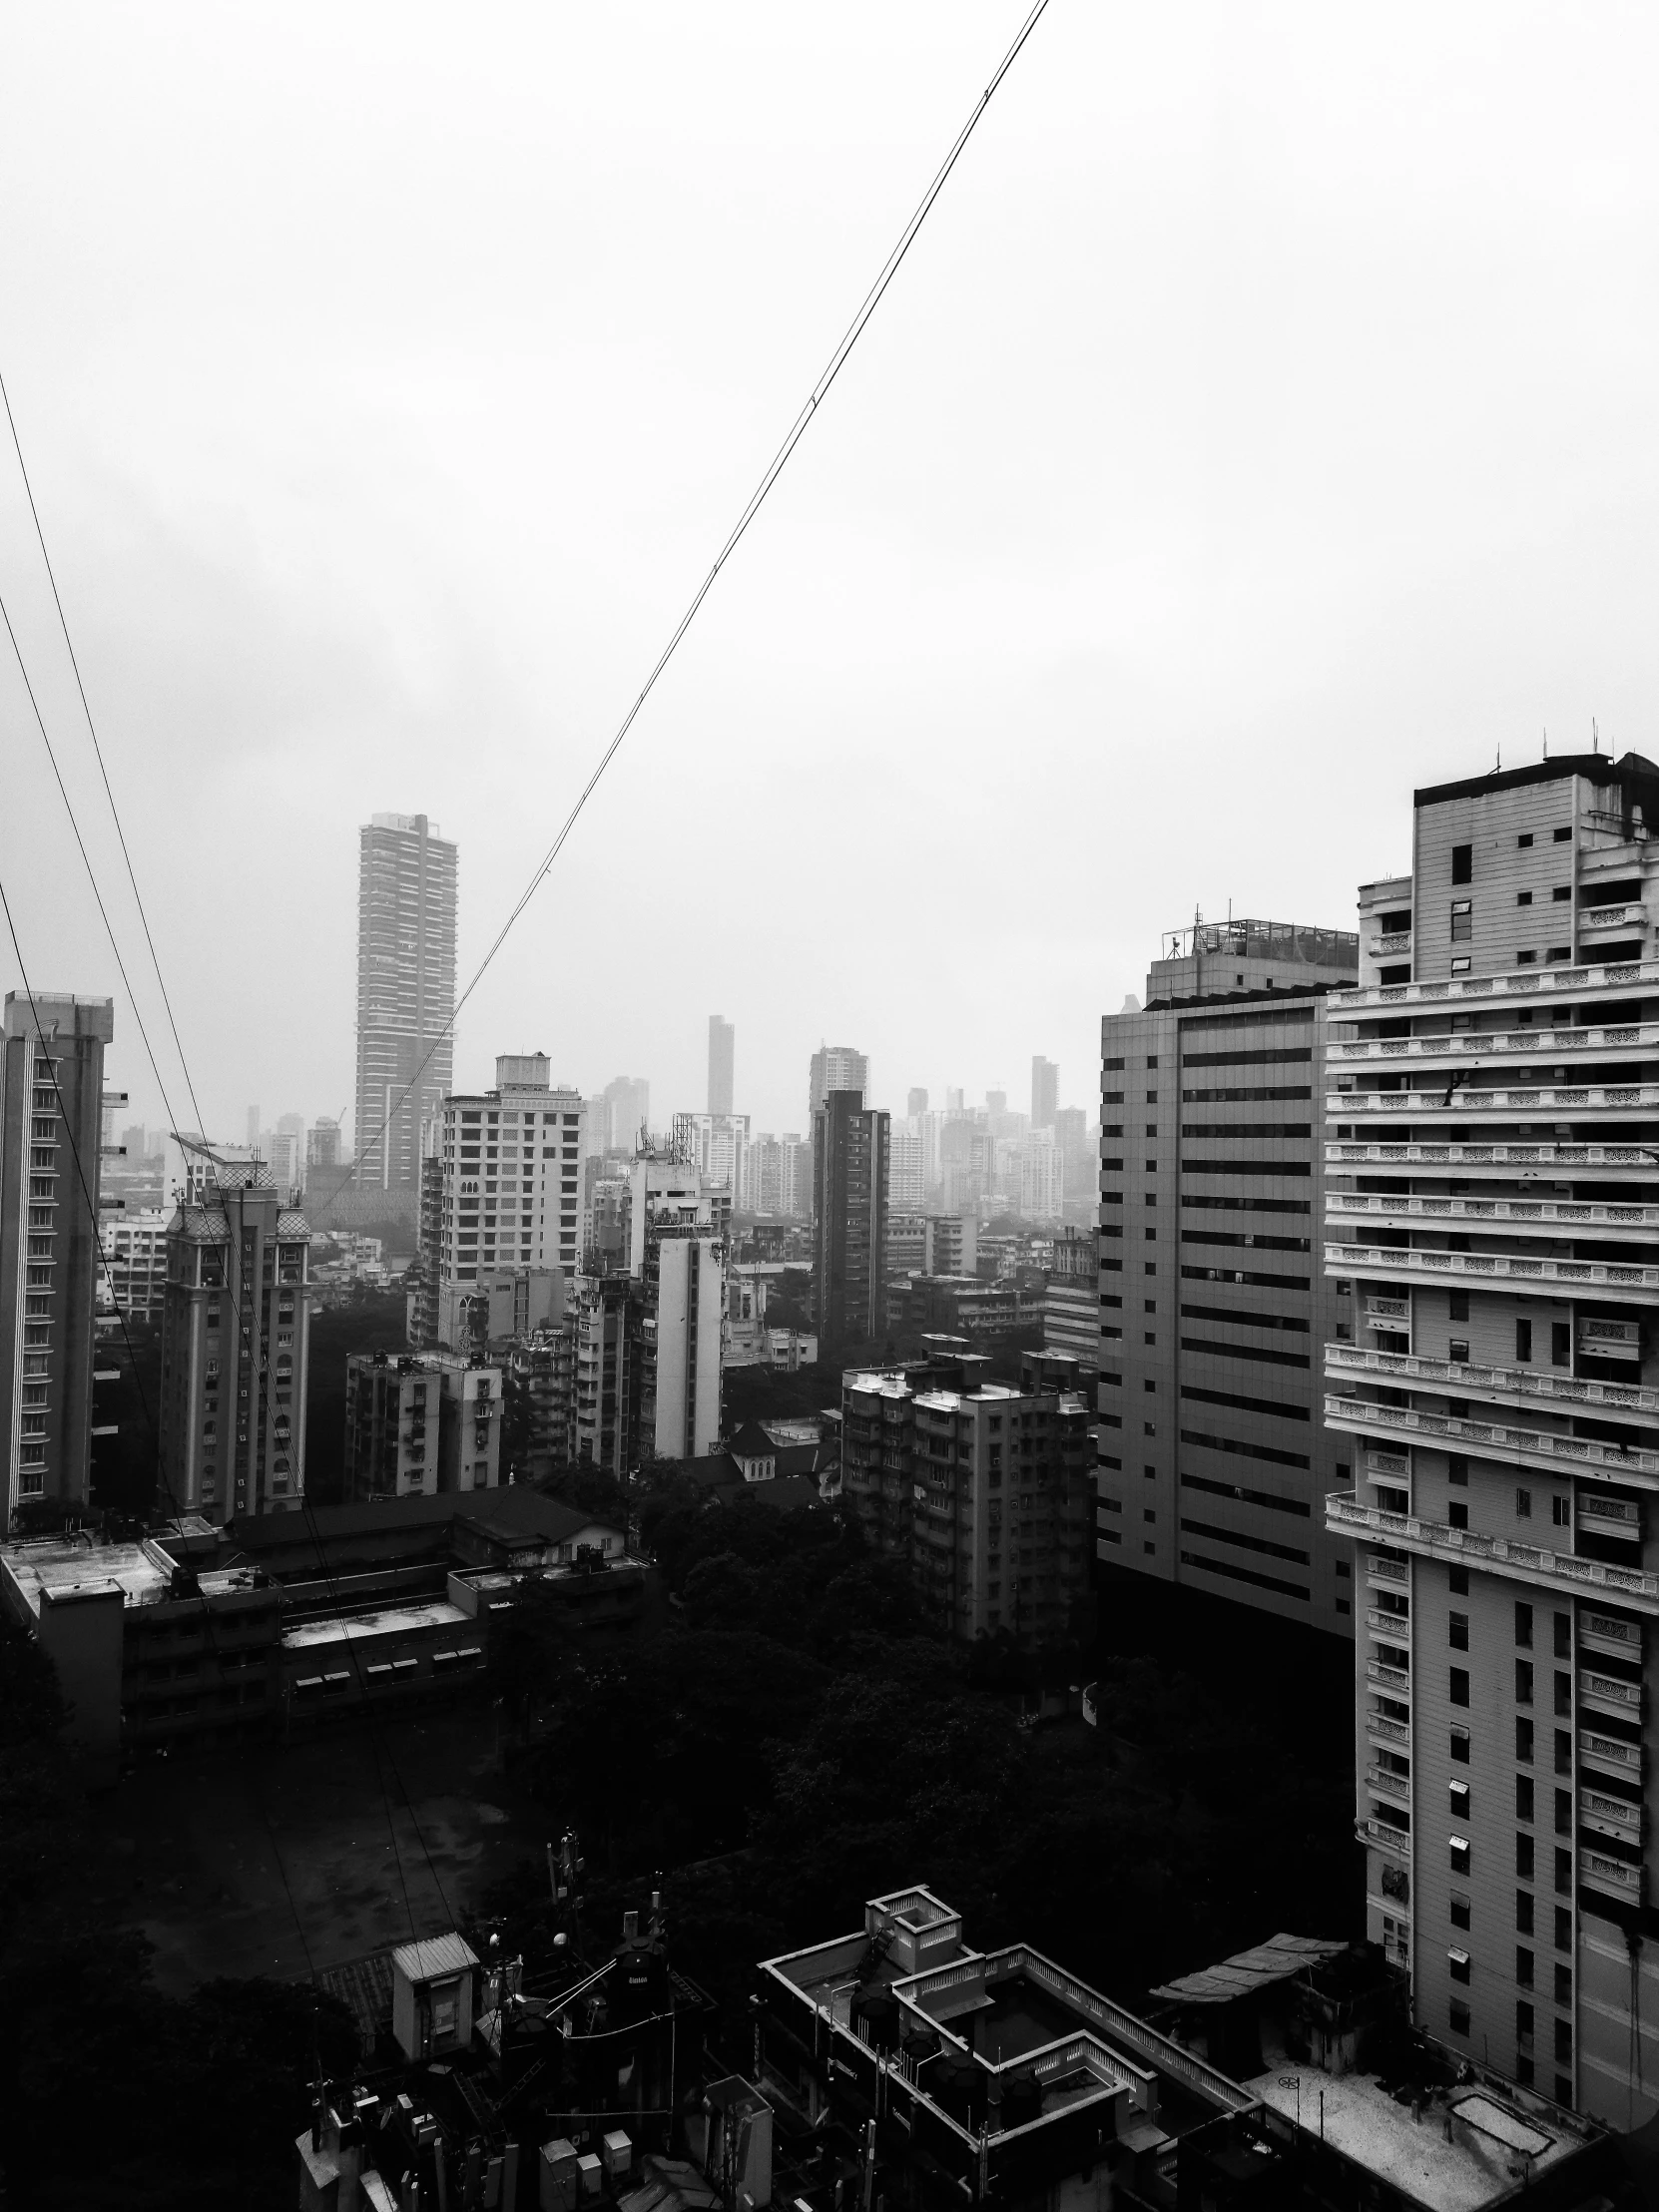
[(1381, 1729), (1612, 917), (1526, 1447), (1531, 1217), (1614, 1815), (1345, 1516), (1479, 1047), (1389, 944), (1582, 1099), (1467, 1380), (1623, 975), (1389, 1784), (1499, 1160), (1611, 1875), (1392, 1840), (1604, 1278), (1396, 1680)]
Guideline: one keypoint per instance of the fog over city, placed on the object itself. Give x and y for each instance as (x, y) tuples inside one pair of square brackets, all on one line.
[(1261, 425)]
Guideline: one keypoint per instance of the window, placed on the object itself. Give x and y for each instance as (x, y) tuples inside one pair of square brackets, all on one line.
[(1460, 1911), (1564, 1812), (1560, 1512), (1563, 1928), (1563, 1873), (1152, 1059), (1523, 1967), (1561, 893), (1563, 1751), (1462, 864), (1458, 2016), (1460, 1744), (1563, 2050), (1459, 1632), (1523, 1341), (1524, 1738), (1524, 1911), (1564, 1635), (1523, 1796), (1457, 1304), (1523, 1504), (1459, 967), (1457, 1469), (1523, 899), (1523, 1627), (1523, 1856), (1458, 1847), (1459, 1688), (1457, 1962), (1563, 1694), (1560, 836), (1152, 1098), (1459, 1351), (1526, 959), (1463, 921), (1460, 1796), (1561, 1343), (1525, 839), (1460, 1580)]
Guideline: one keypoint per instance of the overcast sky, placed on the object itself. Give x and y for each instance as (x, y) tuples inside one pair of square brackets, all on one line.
[(1264, 423)]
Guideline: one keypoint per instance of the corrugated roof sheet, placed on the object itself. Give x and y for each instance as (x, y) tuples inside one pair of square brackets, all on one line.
[(439, 1955), (1275, 1961)]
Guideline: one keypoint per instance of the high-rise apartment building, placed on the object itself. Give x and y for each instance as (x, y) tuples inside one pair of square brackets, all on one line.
[(780, 1175), (851, 1156), (676, 1259), (509, 1186), (717, 1145), (135, 1261), (981, 1488), (1045, 1092), (835, 1067), (1070, 1310), (1213, 1460), (236, 1335), (1492, 1238), (406, 901), (323, 1142), (605, 1423), (908, 1185), (915, 1102), (721, 1042), (51, 1131)]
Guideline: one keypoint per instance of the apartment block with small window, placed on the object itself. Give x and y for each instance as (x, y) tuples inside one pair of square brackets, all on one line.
[(416, 1426), (1213, 1464), (1492, 1225), (236, 1336), (51, 1126), (508, 1186)]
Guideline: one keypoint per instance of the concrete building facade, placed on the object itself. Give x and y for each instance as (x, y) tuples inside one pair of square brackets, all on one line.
[(1213, 1458), (236, 1336), (835, 1067), (135, 1262), (851, 1153), (1045, 1092), (419, 1424), (722, 1055), (510, 1183), (406, 908), (1491, 1220), (51, 1133)]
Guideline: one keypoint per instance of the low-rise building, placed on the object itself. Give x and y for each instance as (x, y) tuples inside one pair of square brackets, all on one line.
[(1072, 1309), (424, 1422)]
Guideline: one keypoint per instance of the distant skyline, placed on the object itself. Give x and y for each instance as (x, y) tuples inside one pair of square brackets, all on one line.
[(1260, 427)]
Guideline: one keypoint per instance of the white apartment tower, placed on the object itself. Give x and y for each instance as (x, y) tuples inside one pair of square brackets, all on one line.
[(508, 1192), (405, 995), (1491, 1233), (677, 1255)]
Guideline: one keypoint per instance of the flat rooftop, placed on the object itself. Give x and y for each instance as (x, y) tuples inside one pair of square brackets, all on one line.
[(388, 1620), (1486, 2156), (144, 1576)]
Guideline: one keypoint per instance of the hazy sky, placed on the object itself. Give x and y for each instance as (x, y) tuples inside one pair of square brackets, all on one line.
[(1264, 423)]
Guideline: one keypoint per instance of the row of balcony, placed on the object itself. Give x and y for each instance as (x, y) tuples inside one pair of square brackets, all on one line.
[(1576, 1102), (1608, 1278), (1476, 1047), (1539, 1450), (1345, 1514), (1563, 1218), (1502, 1162), (1500, 1385), (1587, 981)]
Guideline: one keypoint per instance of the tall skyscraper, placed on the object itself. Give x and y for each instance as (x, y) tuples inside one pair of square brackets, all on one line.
[(236, 1336), (916, 1102), (835, 1067), (1045, 1092), (405, 996), (1492, 1238), (1213, 1460), (51, 1125), (721, 1042), (253, 1126), (852, 1152), (677, 1257)]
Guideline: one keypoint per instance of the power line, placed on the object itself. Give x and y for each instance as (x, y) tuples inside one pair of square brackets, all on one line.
[(98, 749), (756, 499)]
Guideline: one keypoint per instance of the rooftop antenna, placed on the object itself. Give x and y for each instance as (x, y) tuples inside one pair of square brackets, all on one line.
[(1595, 736), (1546, 741), (1499, 770)]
